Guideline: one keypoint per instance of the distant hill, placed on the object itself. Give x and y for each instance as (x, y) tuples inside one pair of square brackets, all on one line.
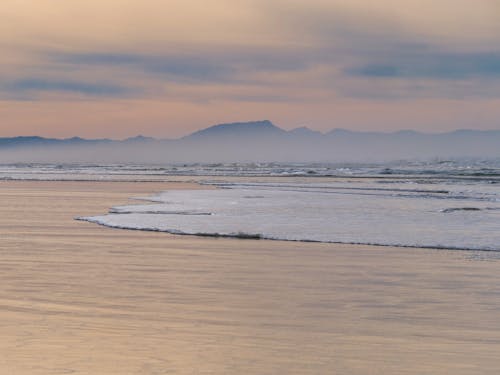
[(238, 129), (304, 131), (258, 141), (35, 141)]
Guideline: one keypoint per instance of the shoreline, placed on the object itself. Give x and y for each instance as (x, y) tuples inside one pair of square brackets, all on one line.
[(258, 237), (81, 298), (244, 235)]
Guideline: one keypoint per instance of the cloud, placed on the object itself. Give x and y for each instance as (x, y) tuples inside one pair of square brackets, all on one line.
[(175, 67), (255, 50), (440, 66), (29, 86), (256, 74), (214, 64)]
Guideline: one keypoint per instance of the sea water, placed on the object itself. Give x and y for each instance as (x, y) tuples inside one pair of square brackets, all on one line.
[(442, 205), (439, 204)]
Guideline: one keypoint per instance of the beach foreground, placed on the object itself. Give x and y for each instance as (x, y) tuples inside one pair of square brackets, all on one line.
[(79, 298)]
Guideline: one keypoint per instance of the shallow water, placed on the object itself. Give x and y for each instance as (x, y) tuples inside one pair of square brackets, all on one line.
[(452, 215)]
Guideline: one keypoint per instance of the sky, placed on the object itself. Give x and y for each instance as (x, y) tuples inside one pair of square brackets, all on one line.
[(165, 68)]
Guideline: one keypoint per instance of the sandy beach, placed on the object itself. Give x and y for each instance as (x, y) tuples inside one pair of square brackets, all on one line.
[(77, 298)]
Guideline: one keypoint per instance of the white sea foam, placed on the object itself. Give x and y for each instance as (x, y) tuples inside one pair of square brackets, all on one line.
[(458, 216)]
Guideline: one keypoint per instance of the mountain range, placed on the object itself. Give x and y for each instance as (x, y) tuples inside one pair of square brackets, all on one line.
[(258, 141)]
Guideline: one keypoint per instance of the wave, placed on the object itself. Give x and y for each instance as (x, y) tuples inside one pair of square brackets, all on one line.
[(480, 170), (321, 188), (455, 209), (347, 210), (159, 212), (260, 236)]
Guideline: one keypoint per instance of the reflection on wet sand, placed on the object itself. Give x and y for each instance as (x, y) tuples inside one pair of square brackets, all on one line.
[(79, 298)]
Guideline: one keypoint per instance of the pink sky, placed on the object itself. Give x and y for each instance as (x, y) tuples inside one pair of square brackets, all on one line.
[(117, 69)]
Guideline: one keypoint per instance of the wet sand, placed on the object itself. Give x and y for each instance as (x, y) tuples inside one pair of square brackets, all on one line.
[(76, 298)]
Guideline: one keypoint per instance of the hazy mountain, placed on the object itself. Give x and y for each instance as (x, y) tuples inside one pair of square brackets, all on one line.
[(257, 141), (139, 138), (35, 141), (304, 131), (25, 141), (252, 129)]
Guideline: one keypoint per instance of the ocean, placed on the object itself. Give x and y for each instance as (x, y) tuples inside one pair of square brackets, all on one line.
[(446, 204)]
